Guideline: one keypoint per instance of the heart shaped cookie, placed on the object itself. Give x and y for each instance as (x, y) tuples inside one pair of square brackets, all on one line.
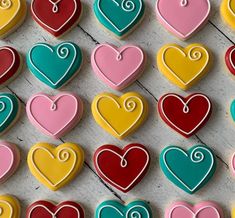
[(189, 170), (184, 67), (228, 12), (54, 166), (9, 207), (119, 16), (183, 17), (45, 209), (185, 115), (205, 209), (119, 116), (12, 14), (9, 111), (54, 66), (117, 210), (126, 166), (57, 17), (54, 115), (118, 67)]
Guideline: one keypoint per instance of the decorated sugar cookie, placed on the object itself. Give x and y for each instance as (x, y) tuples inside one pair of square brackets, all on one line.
[(12, 15), (54, 115), (189, 170), (10, 207), (228, 12), (230, 59), (126, 166), (10, 64), (184, 67), (9, 160), (118, 67), (54, 166), (54, 66), (57, 17), (115, 209), (119, 16), (233, 164), (185, 115), (46, 209), (9, 111), (119, 116), (185, 210), (183, 17)]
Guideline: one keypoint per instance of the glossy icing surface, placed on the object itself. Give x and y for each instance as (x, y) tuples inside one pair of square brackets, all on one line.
[(228, 12), (10, 207)]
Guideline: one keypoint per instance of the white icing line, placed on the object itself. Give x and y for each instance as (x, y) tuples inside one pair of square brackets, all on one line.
[(190, 57), (4, 106), (119, 107), (10, 206), (122, 157), (230, 58), (230, 8), (12, 161), (185, 103), (191, 158)]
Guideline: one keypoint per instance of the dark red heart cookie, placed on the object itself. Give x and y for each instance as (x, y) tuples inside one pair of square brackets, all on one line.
[(10, 64), (185, 115), (230, 59), (56, 16), (45, 209), (122, 168)]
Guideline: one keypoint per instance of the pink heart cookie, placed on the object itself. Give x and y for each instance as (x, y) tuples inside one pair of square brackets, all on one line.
[(54, 115), (9, 160), (183, 17), (118, 67), (205, 209), (233, 164)]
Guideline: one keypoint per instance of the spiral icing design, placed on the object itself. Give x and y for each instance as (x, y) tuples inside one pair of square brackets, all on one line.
[(197, 155), (2, 106), (137, 211), (195, 54), (64, 155), (63, 51), (5, 4), (130, 104), (128, 5)]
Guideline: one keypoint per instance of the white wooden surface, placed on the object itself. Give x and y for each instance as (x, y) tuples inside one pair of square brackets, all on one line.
[(87, 188)]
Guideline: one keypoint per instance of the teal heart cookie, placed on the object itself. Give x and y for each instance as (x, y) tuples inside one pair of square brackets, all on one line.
[(189, 170), (119, 16), (54, 66), (232, 110), (114, 209), (9, 110)]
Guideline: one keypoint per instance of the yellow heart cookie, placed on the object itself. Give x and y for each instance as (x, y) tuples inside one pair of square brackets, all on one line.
[(55, 166), (184, 66), (228, 12), (233, 212), (120, 116), (12, 14), (9, 207)]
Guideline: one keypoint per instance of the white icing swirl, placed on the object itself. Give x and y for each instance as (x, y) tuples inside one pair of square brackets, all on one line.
[(197, 156), (184, 3), (63, 155), (130, 104), (194, 54), (2, 106), (5, 4), (128, 5), (63, 52)]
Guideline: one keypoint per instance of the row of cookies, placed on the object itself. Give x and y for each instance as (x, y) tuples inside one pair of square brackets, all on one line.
[(182, 17), (110, 208)]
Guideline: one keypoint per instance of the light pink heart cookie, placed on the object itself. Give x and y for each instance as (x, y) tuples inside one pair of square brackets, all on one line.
[(205, 209), (183, 17), (233, 164), (118, 67), (9, 160), (54, 115)]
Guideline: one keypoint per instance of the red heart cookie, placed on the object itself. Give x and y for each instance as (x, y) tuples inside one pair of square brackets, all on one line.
[(230, 59), (185, 115), (56, 16), (10, 64), (45, 209), (122, 168)]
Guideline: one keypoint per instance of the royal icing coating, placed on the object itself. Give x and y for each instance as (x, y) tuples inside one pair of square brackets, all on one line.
[(189, 170), (54, 166), (230, 59), (228, 12), (10, 64), (12, 14), (54, 115), (126, 167), (57, 17), (183, 17), (45, 209), (119, 17), (9, 111), (9, 207), (115, 209), (54, 66), (204, 209), (119, 116), (185, 115), (118, 67), (175, 61), (9, 160)]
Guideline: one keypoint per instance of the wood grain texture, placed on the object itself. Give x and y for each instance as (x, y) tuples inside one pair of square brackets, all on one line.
[(87, 188)]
